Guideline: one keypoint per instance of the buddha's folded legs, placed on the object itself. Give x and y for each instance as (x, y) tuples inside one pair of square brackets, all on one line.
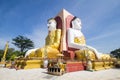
[(48, 52)]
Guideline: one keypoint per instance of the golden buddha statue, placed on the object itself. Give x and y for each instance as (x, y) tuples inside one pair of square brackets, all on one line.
[(52, 42), (77, 40)]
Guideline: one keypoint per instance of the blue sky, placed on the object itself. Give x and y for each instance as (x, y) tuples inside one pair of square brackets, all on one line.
[(100, 20)]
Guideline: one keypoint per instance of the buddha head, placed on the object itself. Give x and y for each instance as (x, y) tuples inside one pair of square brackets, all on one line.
[(76, 23), (51, 24)]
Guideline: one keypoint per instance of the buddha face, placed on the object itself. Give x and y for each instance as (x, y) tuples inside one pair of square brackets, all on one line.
[(51, 24), (76, 24)]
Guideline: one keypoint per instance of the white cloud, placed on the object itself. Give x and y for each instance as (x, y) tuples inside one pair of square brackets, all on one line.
[(3, 41), (103, 36), (105, 42), (95, 12), (111, 30), (38, 35)]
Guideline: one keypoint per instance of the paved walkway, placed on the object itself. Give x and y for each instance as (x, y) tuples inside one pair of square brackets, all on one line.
[(41, 74)]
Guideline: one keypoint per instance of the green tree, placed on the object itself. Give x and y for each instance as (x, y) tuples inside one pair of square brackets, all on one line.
[(9, 53), (12, 54), (116, 53), (1, 54), (23, 43)]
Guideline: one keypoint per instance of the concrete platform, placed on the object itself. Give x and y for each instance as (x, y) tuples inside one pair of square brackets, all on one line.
[(41, 74)]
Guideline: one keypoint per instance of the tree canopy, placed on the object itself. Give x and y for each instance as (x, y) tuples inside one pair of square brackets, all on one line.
[(23, 43), (11, 54), (116, 53)]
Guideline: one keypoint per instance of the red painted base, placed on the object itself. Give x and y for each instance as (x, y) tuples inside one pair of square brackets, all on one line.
[(69, 55), (74, 66)]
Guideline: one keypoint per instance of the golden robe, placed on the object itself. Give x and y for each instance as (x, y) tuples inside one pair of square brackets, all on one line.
[(85, 54), (80, 40), (51, 45)]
